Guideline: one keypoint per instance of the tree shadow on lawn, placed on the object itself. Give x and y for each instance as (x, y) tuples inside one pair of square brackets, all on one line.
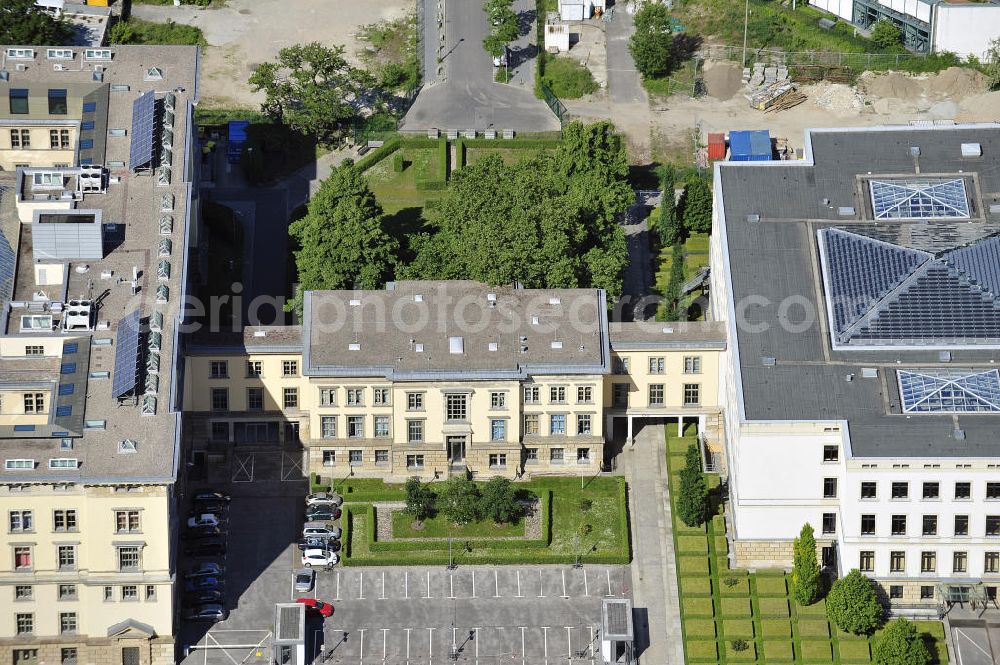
[(403, 225), (683, 47)]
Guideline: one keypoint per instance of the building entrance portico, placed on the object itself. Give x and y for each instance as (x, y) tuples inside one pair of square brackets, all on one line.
[(631, 418)]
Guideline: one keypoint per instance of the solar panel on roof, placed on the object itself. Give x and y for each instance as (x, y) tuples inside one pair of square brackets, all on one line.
[(143, 128), (949, 391), (126, 355), (923, 198)]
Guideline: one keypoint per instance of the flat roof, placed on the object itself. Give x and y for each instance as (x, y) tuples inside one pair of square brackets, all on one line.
[(787, 367)]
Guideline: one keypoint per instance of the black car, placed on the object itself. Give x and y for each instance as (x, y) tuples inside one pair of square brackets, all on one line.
[(201, 533), (214, 507), (210, 496), (207, 548), (202, 598), (322, 514), (319, 543)]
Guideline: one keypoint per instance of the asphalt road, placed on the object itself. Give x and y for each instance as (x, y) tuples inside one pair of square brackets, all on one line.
[(624, 85), (467, 97)]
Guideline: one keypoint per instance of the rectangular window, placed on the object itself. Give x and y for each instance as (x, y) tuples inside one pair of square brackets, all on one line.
[(498, 400), (869, 490), (254, 368), (960, 562), (355, 457), (355, 396), (557, 394), (829, 523), (530, 394), (657, 365), (498, 461), (64, 520), (583, 455), (57, 102), (22, 557), (897, 561), (993, 490), (328, 427), (531, 424), (556, 455), (53, 139), (290, 398), (68, 656), (961, 525), (380, 396), (218, 369), (895, 591), (692, 364), (329, 458), (866, 561), (932, 490), (867, 525), (150, 592), (34, 402), (621, 365), (498, 430), (355, 427), (831, 453), (130, 592), (24, 592), (67, 623), (692, 394), (220, 399), (414, 461), (993, 525), (327, 396), (34, 350), (128, 558), (928, 562), (584, 394), (415, 431), (656, 394), (255, 399), (619, 395), (67, 592), (220, 432), (381, 457), (900, 490), (127, 521), (21, 520), (829, 488), (926, 592), (557, 424), (109, 594), (584, 424), (18, 101), (991, 562), (963, 491), (25, 623), (414, 401), (456, 407), (898, 525), (930, 525), (381, 426), (531, 455), (85, 144), (289, 367)]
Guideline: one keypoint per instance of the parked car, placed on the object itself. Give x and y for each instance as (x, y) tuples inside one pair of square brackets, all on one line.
[(324, 497), (210, 496), (322, 513), (304, 580), (314, 606), (206, 548), (217, 508), (202, 533), (213, 612), (196, 598), (207, 569), (320, 530), (318, 543), (203, 584), (203, 520), (319, 558)]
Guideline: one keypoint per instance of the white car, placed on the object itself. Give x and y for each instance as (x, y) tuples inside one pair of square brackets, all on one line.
[(324, 498), (321, 558), (204, 520)]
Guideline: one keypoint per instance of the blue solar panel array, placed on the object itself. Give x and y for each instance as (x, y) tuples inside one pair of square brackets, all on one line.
[(980, 263), (861, 271), (927, 198), (950, 391), (126, 355), (143, 130)]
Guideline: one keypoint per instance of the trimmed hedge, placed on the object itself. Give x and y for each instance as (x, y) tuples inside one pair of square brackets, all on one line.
[(460, 153), (380, 153), (424, 185), (513, 144), (442, 161), (315, 484), (397, 162)]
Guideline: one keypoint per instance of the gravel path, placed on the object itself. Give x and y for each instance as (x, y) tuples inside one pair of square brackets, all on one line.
[(385, 510)]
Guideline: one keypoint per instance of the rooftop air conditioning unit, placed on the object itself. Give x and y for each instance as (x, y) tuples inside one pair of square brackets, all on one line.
[(58, 68), (78, 315), (20, 67)]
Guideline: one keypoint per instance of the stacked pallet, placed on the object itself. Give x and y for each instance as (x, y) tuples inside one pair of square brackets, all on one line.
[(770, 88)]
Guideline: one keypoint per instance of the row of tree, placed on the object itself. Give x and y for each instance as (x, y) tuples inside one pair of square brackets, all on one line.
[(692, 213), (462, 501), (503, 25), (652, 43)]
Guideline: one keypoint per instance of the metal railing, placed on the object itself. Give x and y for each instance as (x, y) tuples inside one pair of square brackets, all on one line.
[(775, 57), (554, 104)]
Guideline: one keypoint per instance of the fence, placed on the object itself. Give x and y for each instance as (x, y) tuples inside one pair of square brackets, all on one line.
[(855, 61), (554, 104)]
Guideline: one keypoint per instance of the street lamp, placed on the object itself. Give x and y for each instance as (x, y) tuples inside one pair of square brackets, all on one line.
[(746, 22)]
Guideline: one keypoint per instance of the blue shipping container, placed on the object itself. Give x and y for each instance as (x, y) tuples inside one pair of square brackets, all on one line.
[(237, 137), (750, 146)]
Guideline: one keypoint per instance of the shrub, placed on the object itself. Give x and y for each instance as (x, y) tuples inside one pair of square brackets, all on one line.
[(886, 34), (420, 499), (442, 160), (586, 504), (668, 226), (499, 501), (397, 162), (805, 568), (698, 206), (651, 43), (901, 644), (568, 79), (853, 606), (460, 501), (739, 645), (585, 529), (692, 500)]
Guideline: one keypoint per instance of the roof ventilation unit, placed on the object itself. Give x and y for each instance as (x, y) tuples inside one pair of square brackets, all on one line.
[(754, 218), (456, 345), (354, 302), (972, 150), (493, 346), (557, 344), (78, 315), (915, 151), (166, 225), (163, 175), (354, 346), (554, 300), (944, 356), (155, 342), (419, 348), (768, 361), (869, 372), (126, 446), (846, 211), (418, 297), (152, 385), (163, 271)]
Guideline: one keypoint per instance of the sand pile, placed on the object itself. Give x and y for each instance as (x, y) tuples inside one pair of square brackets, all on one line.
[(891, 84), (835, 96), (956, 82), (722, 79)]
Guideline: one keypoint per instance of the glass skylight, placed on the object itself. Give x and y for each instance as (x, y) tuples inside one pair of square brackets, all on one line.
[(926, 198), (950, 391)]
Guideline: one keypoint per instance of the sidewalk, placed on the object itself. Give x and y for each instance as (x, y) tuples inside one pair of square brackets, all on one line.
[(654, 567)]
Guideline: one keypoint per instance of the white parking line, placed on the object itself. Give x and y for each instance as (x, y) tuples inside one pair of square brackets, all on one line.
[(362, 658), (475, 641), (540, 594), (428, 585), (451, 582), (385, 632), (496, 583), (586, 590), (591, 642), (406, 584), (563, 571), (430, 645), (361, 586), (545, 638), (454, 634), (522, 645), (519, 584), (473, 584), (408, 643), (383, 586), (338, 586), (569, 643), (608, 571)]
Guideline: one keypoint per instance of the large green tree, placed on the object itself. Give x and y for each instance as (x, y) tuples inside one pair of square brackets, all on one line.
[(548, 221), (853, 606), (22, 22), (420, 499), (900, 644), (460, 501), (698, 206), (314, 90), (341, 240), (499, 501), (652, 42), (692, 497), (668, 226), (805, 568)]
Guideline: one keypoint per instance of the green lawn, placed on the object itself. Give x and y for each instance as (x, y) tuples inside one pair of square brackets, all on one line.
[(441, 527), (723, 609), (148, 32), (398, 191), (567, 78)]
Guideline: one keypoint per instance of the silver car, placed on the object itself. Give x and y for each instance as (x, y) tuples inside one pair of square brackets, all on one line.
[(324, 498), (304, 579), (320, 530)]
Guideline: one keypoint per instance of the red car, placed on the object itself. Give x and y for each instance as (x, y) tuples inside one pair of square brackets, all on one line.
[(316, 606)]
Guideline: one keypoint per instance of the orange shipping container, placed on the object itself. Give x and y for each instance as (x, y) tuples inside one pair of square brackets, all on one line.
[(717, 146)]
